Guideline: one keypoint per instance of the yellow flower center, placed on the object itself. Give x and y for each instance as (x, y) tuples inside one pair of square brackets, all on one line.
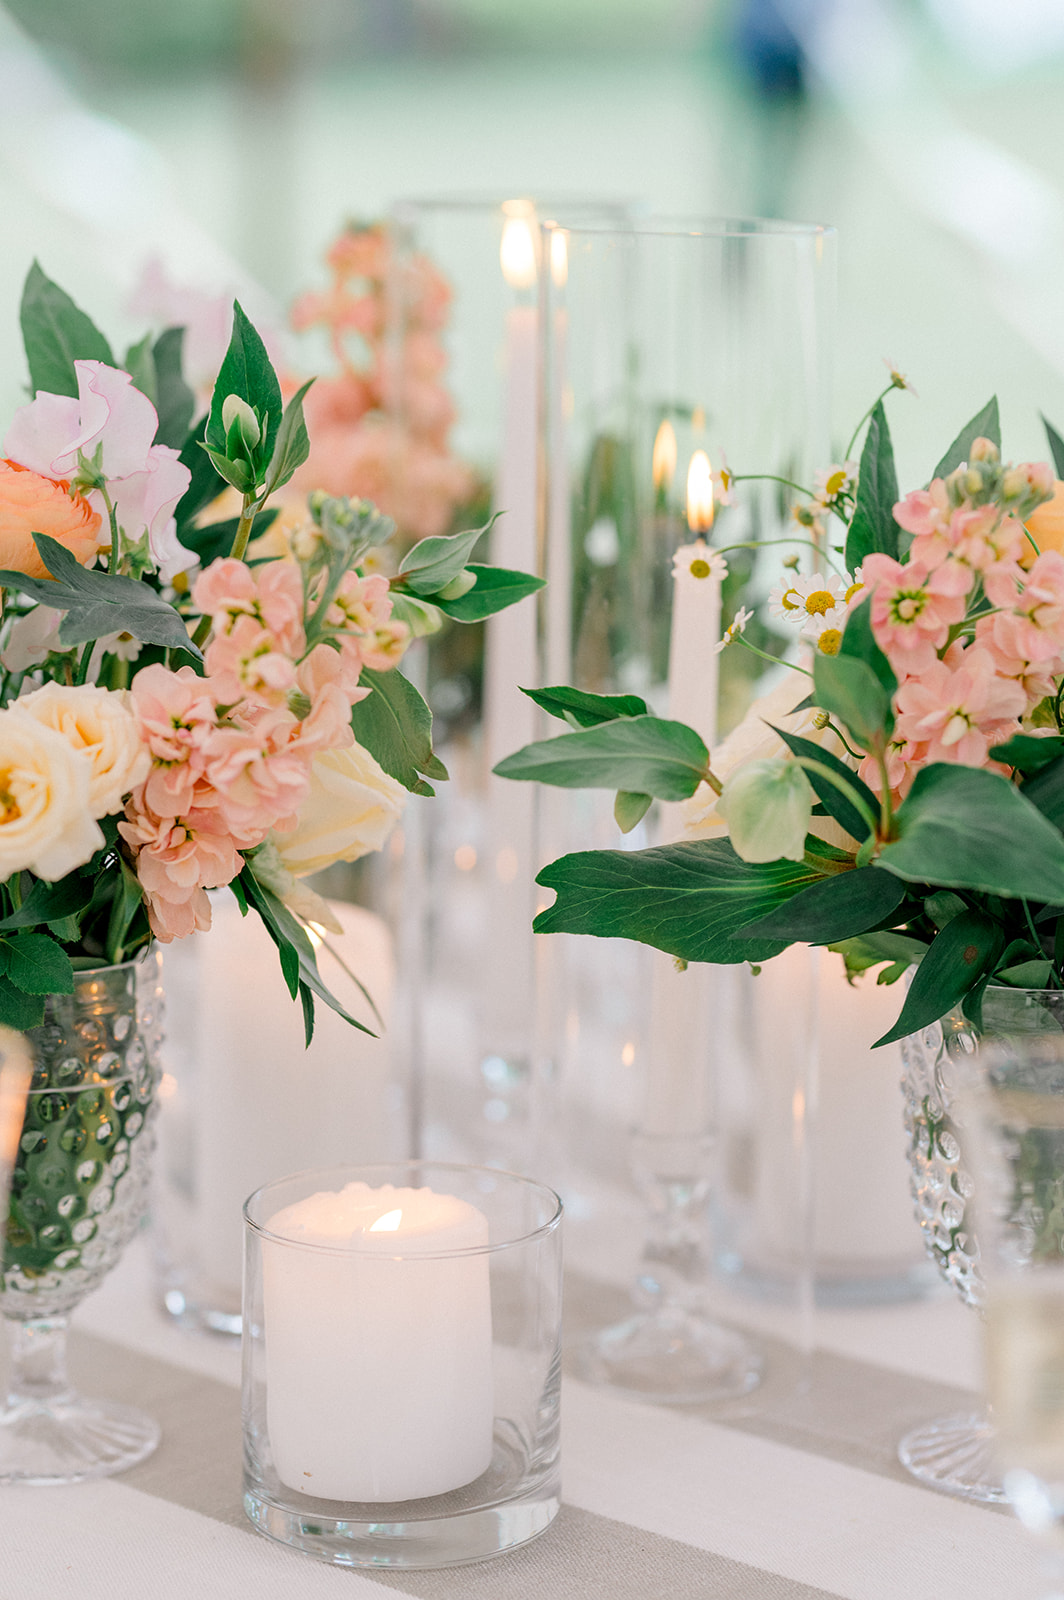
[(855, 588), (787, 603), (829, 641), (819, 602), (699, 568), (9, 806), (835, 482)]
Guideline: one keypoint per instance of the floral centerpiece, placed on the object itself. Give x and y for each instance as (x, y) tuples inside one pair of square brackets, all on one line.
[(177, 713), (898, 795)]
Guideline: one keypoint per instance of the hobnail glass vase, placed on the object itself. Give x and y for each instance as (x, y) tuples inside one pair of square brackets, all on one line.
[(955, 1453), (78, 1192)]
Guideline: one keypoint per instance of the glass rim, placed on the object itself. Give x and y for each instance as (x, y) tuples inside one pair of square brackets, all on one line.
[(349, 1252), (481, 202), (696, 227)]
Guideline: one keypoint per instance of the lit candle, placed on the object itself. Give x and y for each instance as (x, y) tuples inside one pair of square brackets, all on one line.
[(695, 633), (378, 1344), (663, 462)]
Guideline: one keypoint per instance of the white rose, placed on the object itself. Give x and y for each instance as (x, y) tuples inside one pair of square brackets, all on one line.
[(45, 819), (754, 740), (102, 723), (351, 809)]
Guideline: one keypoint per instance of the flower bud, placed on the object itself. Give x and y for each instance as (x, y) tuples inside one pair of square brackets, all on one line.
[(767, 806), (234, 409), (459, 585), (984, 450)]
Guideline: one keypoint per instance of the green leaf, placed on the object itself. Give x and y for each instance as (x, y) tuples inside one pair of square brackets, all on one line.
[(37, 965), (495, 589), (964, 828), (127, 901), (205, 485), (837, 908), (237, 473), (847, 687), (1026, 975), (584, 710), (19, 1010), (98, 603), (985, 424), (957, 958), (647, 755), (293, 443), (56, 334), (833, 800), (1027, 753), (174, 400), (246, 371), (1056, 446), (294, 948), (216, 539), (307, 1001), (431, 564), (629, 809), (141, 368), (1045, 789), (942, 906), (873, 527), (49, 902), (691, 900), (395, 725), (859, 641)]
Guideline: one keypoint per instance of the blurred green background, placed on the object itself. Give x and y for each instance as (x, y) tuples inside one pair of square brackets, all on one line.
[(233, 136)]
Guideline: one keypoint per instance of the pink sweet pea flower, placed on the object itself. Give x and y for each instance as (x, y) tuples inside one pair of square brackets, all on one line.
[(111, 419), (913, 608), (959, 707)]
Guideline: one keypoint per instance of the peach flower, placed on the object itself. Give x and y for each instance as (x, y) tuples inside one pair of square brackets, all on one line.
[(1046, 525), (29, 504)]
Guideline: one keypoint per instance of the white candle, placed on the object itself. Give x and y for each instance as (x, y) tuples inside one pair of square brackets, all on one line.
[(695, 632), (510, 663), (378, 1347)]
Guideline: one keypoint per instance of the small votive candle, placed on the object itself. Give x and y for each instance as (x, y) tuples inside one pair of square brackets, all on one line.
[(378, 1343)]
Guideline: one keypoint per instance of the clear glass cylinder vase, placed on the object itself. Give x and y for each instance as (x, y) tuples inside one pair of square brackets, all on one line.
[(79, 1189)]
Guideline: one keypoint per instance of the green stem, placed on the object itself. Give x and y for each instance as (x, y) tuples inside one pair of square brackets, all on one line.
[(1031, 542), (769, 477), (1033, 931), (112, 517), (774, 661), (765, 544), (860, 805), (83, 664), (877, 401), (886, 805), (243, 528)]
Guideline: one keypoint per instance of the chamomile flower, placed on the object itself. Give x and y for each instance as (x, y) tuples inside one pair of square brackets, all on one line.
[(898, 379), (698, 561), (734, 629), (809, 515), (807, 597), (824, 630), (836, 484)]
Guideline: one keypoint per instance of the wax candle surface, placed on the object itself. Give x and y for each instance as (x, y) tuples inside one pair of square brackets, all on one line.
[(378, 1348)]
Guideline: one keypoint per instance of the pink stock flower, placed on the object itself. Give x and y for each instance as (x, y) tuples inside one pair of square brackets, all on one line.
[(362, 611), (258, 623), (1034, 605), (925, 513), (177, 858), (959, 707), (176, 713), (111, 424), (913, 608), (903, 761)]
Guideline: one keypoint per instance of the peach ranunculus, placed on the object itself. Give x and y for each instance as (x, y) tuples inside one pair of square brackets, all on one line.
[(29, 504), (102, 723), (1046, 525)]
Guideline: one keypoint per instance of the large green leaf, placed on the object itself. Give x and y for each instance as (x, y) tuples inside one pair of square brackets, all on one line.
[(295, 950), (583, 710), (36, 964), (293, 442), (964, 828), (18, 1009), (246, 371), (174, 400), (50, 902), (644, 755), (99, 603), (873, 527), (431, 565), (395, 725), (859, 641), (836, 908), (1027, 753), (848, 688), (56, 333), (691, 900), (1045, 789), (495, 589), (832, 798), (957, 958), (986, 424), (1056, 445), (205, 485)]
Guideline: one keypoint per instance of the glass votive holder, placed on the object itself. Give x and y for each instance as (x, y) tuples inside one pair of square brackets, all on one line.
[(402, 1362)]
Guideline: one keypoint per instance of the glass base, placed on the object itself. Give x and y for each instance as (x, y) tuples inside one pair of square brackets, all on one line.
[(505, 1508), (956, 1455), (199, 1316), (70, 1439), (674, 1357)]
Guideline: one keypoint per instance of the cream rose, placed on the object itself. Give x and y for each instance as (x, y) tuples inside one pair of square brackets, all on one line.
[(351, 809), (45, 818), (754, 740), (102, 723)]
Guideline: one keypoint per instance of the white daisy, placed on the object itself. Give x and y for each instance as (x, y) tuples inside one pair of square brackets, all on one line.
[(824, 630), (734, 628), (835, 484), (698, 561)]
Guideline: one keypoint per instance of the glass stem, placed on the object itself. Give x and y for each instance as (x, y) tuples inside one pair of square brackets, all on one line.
[(673, 1176), (38, 1363)]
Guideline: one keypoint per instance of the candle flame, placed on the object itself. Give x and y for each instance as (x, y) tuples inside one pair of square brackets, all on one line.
[(663, 460), (517, 253), (388, 1223), (559, 260), (700, 493)]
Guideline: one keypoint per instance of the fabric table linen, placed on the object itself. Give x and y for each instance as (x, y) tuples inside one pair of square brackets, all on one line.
[(794, 1494)]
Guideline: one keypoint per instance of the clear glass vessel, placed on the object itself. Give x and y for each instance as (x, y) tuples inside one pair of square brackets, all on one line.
[(401, 1384), (78, 1192), (957, 1453)]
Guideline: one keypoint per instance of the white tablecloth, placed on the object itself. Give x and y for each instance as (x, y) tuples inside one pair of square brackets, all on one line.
[(794, 1495)]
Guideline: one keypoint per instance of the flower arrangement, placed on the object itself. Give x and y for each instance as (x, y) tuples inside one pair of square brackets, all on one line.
[(177, 712), (898, 795)]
